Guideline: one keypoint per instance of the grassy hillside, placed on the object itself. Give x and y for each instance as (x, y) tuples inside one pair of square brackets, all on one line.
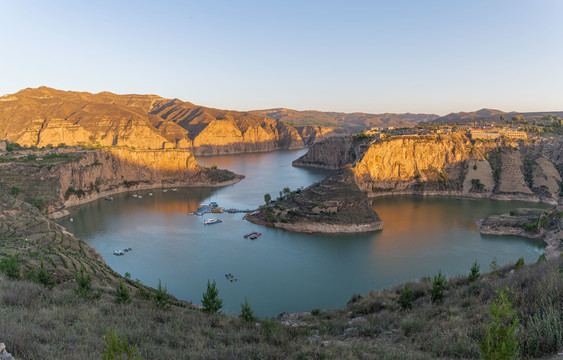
[(39, 322)]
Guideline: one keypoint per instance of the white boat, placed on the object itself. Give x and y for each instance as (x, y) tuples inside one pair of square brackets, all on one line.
[(118, 252), (211, 221), (165, 190), (150, 194), (174, 189), (135, 195), (140, 197)]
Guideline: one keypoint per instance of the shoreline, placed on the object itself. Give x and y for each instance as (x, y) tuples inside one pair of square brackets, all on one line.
[(477, 196), (75, 201), (321, 228)]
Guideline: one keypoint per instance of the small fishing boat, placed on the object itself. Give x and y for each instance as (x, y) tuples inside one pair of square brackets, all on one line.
[(118, 252), (150, 194), (255, 236), (135, 195), (211, 221), (174, 189), (165, 190), (248, 235), (139, 197), (108, 198)]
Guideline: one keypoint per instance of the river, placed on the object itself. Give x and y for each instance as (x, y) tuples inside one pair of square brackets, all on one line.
[(282, 271)]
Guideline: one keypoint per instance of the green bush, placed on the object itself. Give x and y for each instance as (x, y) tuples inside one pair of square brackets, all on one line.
[(211, 302), (83, 282), (122, 295), (39, 203), (500, 340), (407, 298), (267, 198), (14, 190), (246, 312), (519, 264), (118, 349), (543, 334), (161, 299), (542, 258), (494, 267), (42, 276), (438, 287), (11, 267), (474, 272)]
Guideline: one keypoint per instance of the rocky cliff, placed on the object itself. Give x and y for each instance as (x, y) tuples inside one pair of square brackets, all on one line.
[(332, 153), (448, 165), (45, 116), (70, 177)]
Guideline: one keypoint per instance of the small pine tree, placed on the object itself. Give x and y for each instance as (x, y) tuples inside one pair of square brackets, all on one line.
[(161, 298), (438, 287), (519, 264), (246, 312), (494, 267), (83, 282), (541, 259), (11, 267), (122, 295), (267, 198), (44, 277), (474, 272), (211, 302), (407, 298), (500, 340), (118, 349)]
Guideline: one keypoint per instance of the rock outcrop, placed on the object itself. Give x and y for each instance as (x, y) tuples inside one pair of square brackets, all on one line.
[(546, 225), (70, 177), (449, 165), (334, 205), (45, 116), (332, 153)]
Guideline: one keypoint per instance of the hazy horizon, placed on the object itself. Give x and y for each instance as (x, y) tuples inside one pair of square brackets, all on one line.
[(373, 57)]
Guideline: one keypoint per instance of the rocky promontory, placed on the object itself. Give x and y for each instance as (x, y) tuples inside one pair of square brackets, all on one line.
[(71, 176), (546, 225), (447, 165), (334, 205)]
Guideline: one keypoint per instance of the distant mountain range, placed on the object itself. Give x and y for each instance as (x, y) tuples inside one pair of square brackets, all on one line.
[(491, 115), (348, 121), (46, 116)]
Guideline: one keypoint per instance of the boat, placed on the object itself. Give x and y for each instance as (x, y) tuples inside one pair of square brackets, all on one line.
[(248, 235), (165, 190), (139, 197), (211, 221), (108, 198), (135, 195), (217, 211), (174, 189), (118, 252), (255, 236), (150, 194)]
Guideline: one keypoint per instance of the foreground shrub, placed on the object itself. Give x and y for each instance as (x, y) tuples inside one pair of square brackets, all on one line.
[(11, 267), (438, 287), (118, 349), (519, 264), (407, 298), (42, 276), (83, 282), (474, 272), (246, 312), (122, 295), (211, 302), (161, 299), (500, 340), (544, 333)]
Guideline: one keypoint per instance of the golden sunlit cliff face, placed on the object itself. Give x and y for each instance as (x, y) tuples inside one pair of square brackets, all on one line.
[(45, 116), (406, 158)]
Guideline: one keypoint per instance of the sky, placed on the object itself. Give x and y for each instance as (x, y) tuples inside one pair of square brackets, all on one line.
[(435, 56)]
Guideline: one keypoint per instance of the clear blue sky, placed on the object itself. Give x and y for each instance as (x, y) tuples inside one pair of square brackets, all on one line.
[(369, 56)]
